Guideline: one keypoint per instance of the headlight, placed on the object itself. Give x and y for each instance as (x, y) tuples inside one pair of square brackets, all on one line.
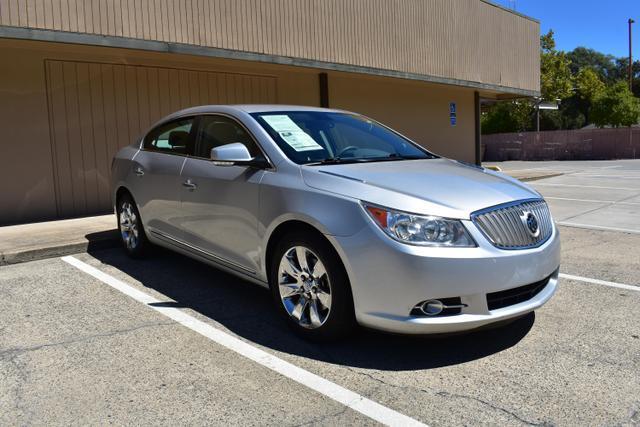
[(420, 230)]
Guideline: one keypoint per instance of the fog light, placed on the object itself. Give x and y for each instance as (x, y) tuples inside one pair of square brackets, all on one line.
[(433, 307)]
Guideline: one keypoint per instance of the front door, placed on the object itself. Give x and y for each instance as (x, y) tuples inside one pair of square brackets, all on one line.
[(219, 214)]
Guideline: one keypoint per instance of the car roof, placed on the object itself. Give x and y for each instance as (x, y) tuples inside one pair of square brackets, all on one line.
[(251, 108)]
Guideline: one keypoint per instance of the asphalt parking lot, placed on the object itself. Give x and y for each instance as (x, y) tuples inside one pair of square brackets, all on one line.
[(592, 194), (100, 339)]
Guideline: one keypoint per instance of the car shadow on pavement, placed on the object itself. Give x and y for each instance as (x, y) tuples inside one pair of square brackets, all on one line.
[(246, 310)]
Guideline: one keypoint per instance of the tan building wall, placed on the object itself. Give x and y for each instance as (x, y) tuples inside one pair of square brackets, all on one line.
[(65, 109), (419, 110), (464, 42)]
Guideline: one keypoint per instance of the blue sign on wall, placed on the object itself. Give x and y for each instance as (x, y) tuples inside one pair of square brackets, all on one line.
[(452, 113)]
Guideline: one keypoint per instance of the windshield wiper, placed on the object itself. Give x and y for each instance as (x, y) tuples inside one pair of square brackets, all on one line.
[(394, 156), (390, 157), (335, 161)]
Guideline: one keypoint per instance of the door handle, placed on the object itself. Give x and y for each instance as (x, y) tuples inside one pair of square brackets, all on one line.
[(190, 185), (138, 171)]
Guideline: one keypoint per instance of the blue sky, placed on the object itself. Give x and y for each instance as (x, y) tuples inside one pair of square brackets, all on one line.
[(598, 24)]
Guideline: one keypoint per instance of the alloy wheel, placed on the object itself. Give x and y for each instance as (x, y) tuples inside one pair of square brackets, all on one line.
[(304, 286), (128, 225)]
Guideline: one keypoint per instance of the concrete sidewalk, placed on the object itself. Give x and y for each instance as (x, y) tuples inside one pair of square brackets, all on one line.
[(27, 242)]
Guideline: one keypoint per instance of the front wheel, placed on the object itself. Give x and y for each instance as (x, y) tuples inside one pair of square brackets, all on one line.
[(310, 287), (130, 226)]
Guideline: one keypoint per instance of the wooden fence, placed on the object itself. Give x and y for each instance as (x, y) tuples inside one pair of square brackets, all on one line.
[(582, 144)]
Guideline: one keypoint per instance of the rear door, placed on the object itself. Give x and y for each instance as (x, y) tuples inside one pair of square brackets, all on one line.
[(156, 175), (220, 203)]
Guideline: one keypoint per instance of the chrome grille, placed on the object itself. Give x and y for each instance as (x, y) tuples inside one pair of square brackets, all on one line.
[(505, 228)]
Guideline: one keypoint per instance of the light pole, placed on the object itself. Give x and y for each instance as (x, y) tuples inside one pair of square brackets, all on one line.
[(631, 21)]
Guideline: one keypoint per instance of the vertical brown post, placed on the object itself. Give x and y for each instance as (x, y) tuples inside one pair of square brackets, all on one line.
[(324, 90), (476, 103), (631, 21)]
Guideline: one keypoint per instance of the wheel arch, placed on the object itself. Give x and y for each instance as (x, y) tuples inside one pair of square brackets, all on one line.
[(121, 191), (290, 226)]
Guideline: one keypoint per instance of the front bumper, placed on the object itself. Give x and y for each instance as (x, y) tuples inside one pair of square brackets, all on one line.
[(389, 278)]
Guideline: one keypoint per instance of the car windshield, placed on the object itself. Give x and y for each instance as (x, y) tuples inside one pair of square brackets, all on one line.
[(318, 137)]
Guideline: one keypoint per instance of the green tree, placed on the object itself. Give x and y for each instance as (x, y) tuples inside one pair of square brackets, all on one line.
[(622, 73), (555, 74), (604, 65), (508, 117), (588, 88), (588, 84), (616, 107)]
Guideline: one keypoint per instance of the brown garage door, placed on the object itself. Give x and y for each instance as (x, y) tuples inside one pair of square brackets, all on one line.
[(97, 108)]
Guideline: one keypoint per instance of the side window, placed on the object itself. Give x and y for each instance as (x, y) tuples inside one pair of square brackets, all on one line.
[(219, 130), (173, 137)]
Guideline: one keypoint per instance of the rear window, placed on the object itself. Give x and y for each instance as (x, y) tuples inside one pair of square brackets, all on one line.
[(173, 137)]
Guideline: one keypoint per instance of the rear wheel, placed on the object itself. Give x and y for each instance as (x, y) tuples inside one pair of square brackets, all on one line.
[(130, 226), (310, 287)]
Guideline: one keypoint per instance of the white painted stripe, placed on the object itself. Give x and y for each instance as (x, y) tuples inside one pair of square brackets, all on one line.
[(548, 184), (579, 200), (600, 282), (591, 175), (597, 227), (592, 201), (340, 394)]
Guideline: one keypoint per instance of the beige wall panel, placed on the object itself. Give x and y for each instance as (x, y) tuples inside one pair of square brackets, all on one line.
[(418, 110), (80, 139), (468, 40)]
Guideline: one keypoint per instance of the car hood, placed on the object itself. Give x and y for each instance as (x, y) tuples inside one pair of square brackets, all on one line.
[(440, 187)]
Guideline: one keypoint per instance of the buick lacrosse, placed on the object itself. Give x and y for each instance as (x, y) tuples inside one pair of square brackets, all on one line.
[(345, 220)]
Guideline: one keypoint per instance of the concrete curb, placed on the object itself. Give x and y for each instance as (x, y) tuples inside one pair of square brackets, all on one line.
[(541, 176), (105, 241)]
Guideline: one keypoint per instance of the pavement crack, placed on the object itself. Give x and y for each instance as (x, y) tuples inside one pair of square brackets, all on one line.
[(324, 417), (452, 395), (12, 352), (495, 407)]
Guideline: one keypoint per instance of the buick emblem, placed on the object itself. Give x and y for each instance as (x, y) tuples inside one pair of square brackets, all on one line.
[(530, 222)]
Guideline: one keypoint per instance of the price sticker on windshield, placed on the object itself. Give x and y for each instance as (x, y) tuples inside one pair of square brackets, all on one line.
[(291, 133)]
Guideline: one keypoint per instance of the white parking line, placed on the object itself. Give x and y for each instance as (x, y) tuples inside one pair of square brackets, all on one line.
[(597, 227), (609, 167), (600, 282), (548, 184), (592, 201), (340, 394), (621, 176)]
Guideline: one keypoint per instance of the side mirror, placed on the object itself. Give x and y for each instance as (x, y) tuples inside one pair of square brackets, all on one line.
[(236, 154)]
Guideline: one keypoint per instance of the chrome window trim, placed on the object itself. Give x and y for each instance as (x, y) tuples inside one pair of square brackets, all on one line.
[(195, 118), (493, 208)]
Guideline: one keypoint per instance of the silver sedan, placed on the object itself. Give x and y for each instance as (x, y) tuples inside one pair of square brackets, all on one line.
[(345, 220)]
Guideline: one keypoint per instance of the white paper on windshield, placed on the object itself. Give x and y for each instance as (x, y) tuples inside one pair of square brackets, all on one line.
[(291, 133)]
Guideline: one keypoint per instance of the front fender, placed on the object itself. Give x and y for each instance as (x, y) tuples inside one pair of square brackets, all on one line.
[(331, 214)]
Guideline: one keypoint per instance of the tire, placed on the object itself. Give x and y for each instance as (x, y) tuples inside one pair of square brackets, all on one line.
[(132, 235), (301, 298)]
